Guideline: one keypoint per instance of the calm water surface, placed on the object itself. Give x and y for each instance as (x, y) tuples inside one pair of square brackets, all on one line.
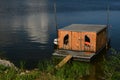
[(27, 27)]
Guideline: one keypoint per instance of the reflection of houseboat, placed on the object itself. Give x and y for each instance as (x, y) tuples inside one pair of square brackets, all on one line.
[(82, 41)]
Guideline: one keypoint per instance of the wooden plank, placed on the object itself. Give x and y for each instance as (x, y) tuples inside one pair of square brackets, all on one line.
[(76, 55), (75, 41), (101, 39), (61, 36), (64, 61), (92, 37)]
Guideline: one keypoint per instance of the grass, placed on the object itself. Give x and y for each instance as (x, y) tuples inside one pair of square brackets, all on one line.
[(46, 71), (73, 70), (112, 66), (8, 73)]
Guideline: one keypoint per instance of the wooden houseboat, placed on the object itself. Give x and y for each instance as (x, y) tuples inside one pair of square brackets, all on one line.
[(82, 41)]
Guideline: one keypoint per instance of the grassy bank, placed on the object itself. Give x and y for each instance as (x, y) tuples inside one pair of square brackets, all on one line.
[(112, 66), (46, 71), (73, 70)]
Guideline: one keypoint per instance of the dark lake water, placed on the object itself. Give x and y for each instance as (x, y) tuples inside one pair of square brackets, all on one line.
[(27, 27)]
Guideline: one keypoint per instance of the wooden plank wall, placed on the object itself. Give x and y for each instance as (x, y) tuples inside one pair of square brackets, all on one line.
[(92, 36), (61, 35), (76, 39), (101, 39)]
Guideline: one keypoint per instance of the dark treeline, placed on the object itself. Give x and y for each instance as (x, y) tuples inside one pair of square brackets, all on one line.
[(27, 6), (83, 5)]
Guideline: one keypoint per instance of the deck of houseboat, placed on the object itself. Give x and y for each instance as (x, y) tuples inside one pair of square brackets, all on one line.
[(81, 56)]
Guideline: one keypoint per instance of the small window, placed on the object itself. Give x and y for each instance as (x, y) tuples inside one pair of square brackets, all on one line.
[(66, 39), (87, 40)]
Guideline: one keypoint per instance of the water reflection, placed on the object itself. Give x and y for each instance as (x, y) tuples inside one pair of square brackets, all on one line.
[(24, 28), (35, 25), (37, 28)]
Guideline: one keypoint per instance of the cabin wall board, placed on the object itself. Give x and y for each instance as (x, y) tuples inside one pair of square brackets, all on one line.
[(92, 37), (61, 35), (101, 39), (76, 40)]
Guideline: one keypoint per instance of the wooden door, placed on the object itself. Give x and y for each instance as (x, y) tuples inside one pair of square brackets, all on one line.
[(76, 41)]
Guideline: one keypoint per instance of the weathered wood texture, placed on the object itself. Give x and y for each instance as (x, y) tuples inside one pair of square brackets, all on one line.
[(61, 35), (64, 61), (101, 39), (92, 37), (76, 39)]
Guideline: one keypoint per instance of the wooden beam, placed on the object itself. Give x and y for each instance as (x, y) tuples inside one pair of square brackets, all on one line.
[(64, 61)]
